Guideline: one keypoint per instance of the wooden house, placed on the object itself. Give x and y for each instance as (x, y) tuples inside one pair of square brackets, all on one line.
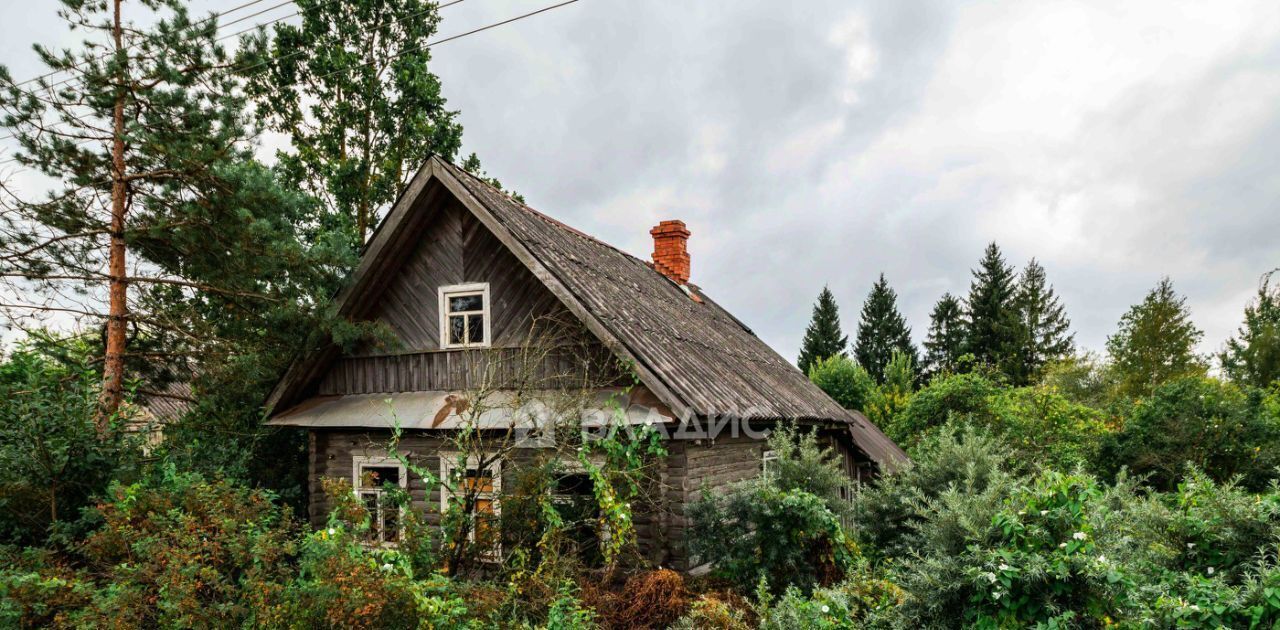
[(460, 274)]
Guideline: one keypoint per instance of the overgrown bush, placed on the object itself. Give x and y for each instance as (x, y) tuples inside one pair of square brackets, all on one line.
[(53, 462), (757, 531), (803, 463), (955, 464), (844, 381), (1202, 422)]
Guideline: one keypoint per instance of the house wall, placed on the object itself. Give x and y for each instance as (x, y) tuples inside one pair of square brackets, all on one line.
[(534, 341), (660, 521)]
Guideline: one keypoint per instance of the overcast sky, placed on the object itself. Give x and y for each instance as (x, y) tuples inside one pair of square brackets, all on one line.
[(824, 142)]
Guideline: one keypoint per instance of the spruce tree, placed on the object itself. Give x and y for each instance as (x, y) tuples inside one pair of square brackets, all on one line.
[(1044, 332), (1155, 342), (823, 338), (882, 330), (1253, 356), (992, 316), (945, 343)]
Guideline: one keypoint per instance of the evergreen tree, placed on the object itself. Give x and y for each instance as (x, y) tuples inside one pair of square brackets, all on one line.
[(1253, 356), (157, 210), (1044, 332), (945, 342), (882, 330), (350, 85), (992, 316), (1155, 342), (823, 338)]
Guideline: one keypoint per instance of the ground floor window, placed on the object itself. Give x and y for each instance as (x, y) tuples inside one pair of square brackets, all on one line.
[(480, 485), (379, 484)]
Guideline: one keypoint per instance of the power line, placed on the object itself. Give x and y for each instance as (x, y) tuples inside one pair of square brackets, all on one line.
[(213, 16), (426, 46), (253, 28)]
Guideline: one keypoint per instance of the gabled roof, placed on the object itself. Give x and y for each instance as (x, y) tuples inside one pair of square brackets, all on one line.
[(696, 357)]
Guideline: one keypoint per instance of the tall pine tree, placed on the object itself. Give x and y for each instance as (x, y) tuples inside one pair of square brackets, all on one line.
[(992, 316), (882, 330), (1155, 343), (1044, 332), (160, 230), (823, 338), (945, 343)]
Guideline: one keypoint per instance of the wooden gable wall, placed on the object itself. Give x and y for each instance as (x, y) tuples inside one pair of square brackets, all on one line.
[(456, 249), (453, 247)]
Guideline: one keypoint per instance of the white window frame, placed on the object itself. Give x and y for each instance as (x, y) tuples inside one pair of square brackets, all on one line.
[(448, 464), (455, 290), (358, 464), (768, 462)]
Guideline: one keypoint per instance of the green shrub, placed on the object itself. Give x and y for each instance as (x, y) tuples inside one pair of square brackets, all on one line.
[(1035, 562), (804, 464), (960, 463), (1202, 422), (959, 398), (53, 462), (757, 531), (844, 381), (1046, 430)]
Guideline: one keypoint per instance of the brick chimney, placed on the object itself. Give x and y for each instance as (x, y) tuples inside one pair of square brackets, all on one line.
[(670, 250)]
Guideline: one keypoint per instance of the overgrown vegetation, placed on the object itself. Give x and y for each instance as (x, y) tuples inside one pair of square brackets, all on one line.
[(1046, 489)]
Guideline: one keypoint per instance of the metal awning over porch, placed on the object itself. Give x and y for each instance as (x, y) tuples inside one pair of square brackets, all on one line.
[(442, 410)]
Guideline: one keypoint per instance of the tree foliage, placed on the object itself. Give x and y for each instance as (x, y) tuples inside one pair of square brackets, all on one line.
[(352, 88), (991, 318), (823, 338), (882, 330), (1252, 357), (1043, 330), (1155, 343), (158, 207), (945, 344)]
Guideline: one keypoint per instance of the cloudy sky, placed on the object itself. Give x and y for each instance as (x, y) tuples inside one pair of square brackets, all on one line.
[(824, 142)]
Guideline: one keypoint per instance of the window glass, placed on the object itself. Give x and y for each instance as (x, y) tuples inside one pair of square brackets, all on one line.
[(465, 303), (457, 329), (378, 486), (480, 487), (465, 315)]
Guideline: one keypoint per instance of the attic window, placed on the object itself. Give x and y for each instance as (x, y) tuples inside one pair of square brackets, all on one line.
[(464, 316)]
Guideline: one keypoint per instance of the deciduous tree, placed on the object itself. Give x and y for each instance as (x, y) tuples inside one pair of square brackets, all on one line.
[(1155, 343), (352, 88)]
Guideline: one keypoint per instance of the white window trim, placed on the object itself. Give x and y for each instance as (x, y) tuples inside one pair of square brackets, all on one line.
[(449, 463), (358, 463), (768, 460), (485, 313)]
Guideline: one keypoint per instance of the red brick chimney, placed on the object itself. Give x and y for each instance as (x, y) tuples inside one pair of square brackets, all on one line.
[(670, 250)]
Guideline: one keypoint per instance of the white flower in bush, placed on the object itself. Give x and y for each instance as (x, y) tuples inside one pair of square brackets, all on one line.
[(1078, 536)]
